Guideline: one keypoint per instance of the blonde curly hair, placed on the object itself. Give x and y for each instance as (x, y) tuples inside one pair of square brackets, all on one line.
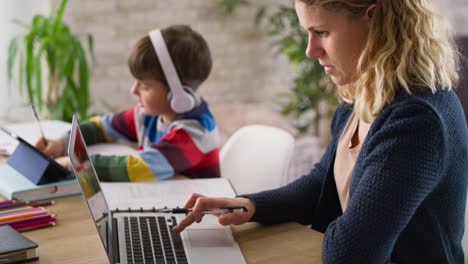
[(409, 45)]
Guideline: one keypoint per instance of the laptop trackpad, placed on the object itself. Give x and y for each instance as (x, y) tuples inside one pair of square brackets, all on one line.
[(209, 238)]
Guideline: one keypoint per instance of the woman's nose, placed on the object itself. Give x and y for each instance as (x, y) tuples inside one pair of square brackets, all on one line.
[(314, 49)]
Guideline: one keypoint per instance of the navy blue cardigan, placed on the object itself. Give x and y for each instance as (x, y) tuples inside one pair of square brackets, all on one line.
[(407, 191)]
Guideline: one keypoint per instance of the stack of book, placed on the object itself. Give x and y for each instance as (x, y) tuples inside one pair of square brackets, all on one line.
[(25, 216)]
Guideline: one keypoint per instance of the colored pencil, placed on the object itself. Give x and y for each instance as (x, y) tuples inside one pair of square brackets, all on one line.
[(36, 227), (26, 219), (6, 202), (29, 212), (16, 209), (33, 223), (25, 203)]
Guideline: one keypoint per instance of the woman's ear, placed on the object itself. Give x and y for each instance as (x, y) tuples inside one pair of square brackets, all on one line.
[(370, 11)]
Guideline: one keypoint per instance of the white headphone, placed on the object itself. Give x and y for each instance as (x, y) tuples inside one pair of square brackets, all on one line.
[(180, 98)]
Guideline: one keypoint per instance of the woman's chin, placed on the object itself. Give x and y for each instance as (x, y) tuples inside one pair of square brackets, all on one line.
[(338, 81)]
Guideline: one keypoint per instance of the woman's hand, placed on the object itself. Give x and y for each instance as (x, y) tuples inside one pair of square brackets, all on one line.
[(53, 148), (199, 203)]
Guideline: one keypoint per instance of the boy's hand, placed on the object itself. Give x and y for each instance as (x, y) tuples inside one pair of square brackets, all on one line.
[(54, 148), (64, 161), (199, 203)]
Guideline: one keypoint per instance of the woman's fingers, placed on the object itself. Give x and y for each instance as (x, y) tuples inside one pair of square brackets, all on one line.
[(200, 203), (188, 220), (232, 218), (191, 201)]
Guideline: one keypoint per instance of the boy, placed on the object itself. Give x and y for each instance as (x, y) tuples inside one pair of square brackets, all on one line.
[(173, 127)]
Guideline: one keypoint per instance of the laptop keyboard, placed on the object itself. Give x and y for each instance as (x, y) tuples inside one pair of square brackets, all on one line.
[(150, 239)]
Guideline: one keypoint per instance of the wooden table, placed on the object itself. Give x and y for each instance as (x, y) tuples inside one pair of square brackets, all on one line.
[(75, 239)]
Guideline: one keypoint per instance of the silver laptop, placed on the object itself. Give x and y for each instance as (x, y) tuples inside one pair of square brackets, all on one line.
[(142, 235)]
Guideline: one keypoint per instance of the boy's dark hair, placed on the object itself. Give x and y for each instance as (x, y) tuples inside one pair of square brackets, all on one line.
[(189, 52)]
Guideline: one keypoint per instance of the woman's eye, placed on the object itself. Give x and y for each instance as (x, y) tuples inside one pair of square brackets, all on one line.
[(321, 33)]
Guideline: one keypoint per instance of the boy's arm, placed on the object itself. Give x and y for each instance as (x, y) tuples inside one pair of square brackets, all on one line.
[(177, 152), (110, 127)]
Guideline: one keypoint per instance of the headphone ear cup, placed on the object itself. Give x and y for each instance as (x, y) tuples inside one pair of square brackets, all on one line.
[(182, 102)]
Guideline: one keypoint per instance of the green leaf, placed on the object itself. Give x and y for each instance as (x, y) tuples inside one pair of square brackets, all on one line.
[(21, 72), (83, 98), (38, 73), (59, 15), (30, 67), (91, 47), (12, 49)]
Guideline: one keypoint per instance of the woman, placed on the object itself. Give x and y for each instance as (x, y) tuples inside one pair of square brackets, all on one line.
[(391, 186)]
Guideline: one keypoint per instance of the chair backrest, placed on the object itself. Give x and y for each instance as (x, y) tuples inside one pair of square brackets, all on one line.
[(256, 158)]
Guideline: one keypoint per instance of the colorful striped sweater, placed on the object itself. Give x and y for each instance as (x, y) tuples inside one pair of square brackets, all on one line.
[(189, 145)]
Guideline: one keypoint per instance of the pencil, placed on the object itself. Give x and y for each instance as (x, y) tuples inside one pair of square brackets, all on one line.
[(44, 140), (36, 227), (6, 202), (26, 203), (29, 212), (14, 209), (33, 223), (26, 219)]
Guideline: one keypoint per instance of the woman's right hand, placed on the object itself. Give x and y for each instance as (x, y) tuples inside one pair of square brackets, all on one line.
[(53, 148), (199, 203)]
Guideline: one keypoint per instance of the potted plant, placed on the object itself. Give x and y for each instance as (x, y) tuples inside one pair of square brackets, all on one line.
[(49, 48)]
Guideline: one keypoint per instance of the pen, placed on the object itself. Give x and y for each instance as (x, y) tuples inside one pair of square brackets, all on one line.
[(39, 123), (221, 210)]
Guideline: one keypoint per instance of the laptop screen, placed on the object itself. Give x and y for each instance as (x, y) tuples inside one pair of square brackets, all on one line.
[(88, 180)]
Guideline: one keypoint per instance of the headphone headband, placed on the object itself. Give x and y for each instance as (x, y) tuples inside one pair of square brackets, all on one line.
[(165, 60)]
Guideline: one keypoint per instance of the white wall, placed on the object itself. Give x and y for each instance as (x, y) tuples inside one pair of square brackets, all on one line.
[(11, 107), (456, 11)]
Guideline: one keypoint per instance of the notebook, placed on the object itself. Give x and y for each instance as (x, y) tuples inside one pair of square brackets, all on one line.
[(15, 247), (15, 186), (141, 235)]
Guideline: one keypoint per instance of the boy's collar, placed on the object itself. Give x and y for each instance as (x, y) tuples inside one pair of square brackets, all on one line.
[(200, 107)]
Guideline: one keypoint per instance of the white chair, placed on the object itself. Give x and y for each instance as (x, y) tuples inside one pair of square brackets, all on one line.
[(256, 158)]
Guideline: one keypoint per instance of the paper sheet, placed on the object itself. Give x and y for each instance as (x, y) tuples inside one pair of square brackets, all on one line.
[(53, 129), (170, 193)]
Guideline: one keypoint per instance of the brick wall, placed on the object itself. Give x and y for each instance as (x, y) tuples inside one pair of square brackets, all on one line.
[(245, 66)]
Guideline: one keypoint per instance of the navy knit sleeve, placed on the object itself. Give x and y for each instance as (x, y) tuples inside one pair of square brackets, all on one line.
[(297, 200), (402, 165)]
